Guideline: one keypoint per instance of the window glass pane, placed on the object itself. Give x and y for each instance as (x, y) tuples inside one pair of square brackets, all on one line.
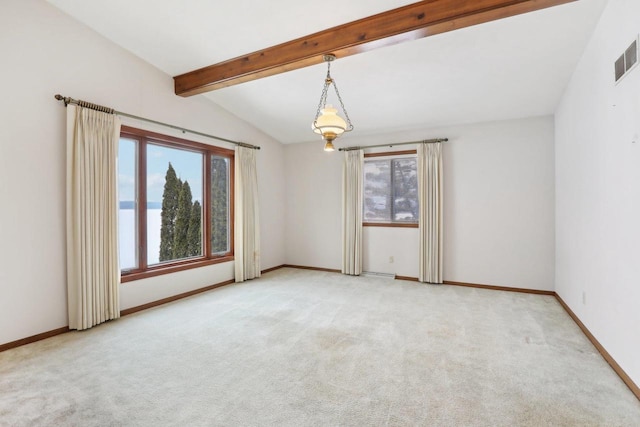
[(631, 56), (405, 190), (220, 240), (377, 189), (174, 204), (391, 190), (127, 212)]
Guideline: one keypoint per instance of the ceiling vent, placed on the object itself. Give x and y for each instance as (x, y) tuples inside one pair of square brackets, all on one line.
[(626, 61)]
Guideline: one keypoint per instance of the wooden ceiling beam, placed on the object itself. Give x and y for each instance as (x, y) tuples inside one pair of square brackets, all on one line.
[(414, 21)]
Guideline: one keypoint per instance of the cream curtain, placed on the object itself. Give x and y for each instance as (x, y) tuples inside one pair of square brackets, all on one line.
[(93, 272), (246, 223), (430, 219), (352, 183)]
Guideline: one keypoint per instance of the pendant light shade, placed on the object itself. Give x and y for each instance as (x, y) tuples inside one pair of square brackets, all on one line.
[(327, 122)]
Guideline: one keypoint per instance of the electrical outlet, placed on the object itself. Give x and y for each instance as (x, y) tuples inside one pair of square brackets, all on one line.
[(391, 260), (584, 298)]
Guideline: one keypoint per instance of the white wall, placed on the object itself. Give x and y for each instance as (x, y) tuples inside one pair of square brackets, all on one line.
[(498, 198), (45, 52), (313, 211), (598, 190)]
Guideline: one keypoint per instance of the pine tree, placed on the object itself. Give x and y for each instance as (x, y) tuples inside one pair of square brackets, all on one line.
[(183, 215), (194, 236), (170, 195), (219, 205)]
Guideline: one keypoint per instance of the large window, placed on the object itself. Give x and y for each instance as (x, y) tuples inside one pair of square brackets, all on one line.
[(390, 190), (176, 199)]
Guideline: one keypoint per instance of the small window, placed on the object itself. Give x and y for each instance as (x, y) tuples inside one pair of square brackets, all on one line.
[(627, 61), (390, 191)]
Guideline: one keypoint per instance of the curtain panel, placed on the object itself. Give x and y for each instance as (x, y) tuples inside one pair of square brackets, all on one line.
[(246, 222), (352, 193), (430, 218), (93, 271)]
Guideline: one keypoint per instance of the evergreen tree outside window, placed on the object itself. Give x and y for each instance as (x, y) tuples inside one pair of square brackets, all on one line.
[(194, 237), (219, 204), (172, 186), (183, 220)]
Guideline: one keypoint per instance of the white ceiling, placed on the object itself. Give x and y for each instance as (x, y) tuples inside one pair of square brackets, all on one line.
[(512, 68)]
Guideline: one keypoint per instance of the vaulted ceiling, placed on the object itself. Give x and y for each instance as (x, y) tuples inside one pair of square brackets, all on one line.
[(509, 68)]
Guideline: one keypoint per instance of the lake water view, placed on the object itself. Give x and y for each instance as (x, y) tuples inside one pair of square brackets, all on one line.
[(127, 236)]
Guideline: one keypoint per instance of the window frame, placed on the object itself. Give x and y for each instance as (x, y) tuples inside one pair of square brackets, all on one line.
[(397, 224), (144, 138)]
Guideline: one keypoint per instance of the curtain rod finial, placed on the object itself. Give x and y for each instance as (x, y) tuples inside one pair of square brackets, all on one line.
[(62, 98)]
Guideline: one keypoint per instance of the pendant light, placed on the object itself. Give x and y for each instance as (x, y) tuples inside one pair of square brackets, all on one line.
[(327, 122)]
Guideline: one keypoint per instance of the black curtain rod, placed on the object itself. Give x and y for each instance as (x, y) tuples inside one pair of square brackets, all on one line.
[(67, 100), (426, 141)]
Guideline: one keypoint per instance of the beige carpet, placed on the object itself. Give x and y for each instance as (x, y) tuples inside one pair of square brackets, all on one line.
[(301, 348)]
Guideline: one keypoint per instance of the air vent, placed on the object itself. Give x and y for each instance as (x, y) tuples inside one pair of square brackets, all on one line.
[(626, 61), (378, 275)]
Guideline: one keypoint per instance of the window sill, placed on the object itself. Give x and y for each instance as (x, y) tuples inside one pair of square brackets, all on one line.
[(172, 268), (391, 224)]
